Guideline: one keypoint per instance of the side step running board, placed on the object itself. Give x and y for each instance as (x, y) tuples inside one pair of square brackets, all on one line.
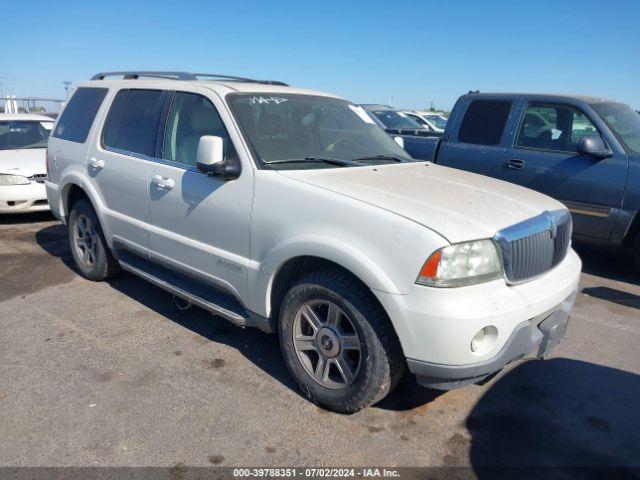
[(233, 317)]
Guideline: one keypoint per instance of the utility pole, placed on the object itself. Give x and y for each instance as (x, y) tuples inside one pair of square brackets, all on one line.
[(66, 84)]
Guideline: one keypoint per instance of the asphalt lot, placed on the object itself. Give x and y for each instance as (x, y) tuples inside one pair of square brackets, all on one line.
[(115, 374)]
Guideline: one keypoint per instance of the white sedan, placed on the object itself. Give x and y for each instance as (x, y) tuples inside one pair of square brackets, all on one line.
[(23, 142)]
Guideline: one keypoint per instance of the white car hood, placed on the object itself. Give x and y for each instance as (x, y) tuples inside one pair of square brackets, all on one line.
[(26, 162), (458, 205)]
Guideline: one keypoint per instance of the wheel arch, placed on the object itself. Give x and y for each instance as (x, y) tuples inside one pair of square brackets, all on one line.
[(73, 189)]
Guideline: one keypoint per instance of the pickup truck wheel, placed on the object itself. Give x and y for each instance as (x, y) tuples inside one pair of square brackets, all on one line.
[(88, 246), (338, 343), (636, 251)]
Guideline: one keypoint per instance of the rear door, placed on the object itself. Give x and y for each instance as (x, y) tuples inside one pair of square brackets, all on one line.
[(479, 143), (119, 164), (544, 157)]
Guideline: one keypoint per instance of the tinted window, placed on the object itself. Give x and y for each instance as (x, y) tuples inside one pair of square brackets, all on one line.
[(77, 117), (553, 127), (132, 123), (484, 122), (191, 116)]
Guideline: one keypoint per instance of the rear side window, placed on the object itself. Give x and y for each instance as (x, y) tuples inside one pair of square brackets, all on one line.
[(132, 123), (484, 122), (76, 119)]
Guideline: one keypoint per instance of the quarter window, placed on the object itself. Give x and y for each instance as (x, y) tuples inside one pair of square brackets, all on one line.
[(484, 122), (191, 116), (132, 123), (553, 127), (76, 119)]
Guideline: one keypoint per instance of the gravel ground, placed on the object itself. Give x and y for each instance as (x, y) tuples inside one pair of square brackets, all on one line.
[(114, 374)]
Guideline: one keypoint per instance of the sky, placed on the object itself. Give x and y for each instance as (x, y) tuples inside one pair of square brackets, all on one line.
[(408, 53)]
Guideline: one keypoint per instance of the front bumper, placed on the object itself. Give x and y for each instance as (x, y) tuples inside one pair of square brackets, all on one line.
[(23, 198), (436, 326), (541, 334)]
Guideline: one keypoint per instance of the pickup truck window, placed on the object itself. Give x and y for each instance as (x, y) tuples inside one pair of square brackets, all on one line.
[(624, 122), (484, 122), (553, 127), (302, 131)]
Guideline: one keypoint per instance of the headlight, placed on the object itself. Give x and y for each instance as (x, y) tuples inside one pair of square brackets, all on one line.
[(13, 180), (462, 264)]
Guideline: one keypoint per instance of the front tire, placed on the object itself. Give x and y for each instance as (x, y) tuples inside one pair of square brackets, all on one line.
[(338, 343), (89, 248)]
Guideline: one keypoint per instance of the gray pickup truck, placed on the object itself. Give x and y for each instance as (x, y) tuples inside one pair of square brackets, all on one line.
[(583, 151)]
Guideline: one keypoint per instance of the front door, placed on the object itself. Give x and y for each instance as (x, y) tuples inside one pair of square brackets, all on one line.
[(199, 223), (544, 157)]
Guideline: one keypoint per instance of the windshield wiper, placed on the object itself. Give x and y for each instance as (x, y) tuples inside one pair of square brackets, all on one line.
[(329, 160), (384, 156)]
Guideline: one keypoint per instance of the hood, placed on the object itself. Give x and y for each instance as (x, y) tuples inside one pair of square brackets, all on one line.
[(458, 205), (27, 162)]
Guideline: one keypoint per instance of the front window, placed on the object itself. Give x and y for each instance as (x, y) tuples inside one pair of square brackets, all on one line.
[(396, 120), (437, 120), (553, 127), (624, 122), (306, 131), (19, 134)]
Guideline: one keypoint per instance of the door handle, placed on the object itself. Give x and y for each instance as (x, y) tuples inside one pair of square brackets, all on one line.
[(96, 163), (515, 163), (163, 182)]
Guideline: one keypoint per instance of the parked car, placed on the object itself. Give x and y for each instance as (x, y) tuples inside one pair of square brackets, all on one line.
[(582, 151), (23, 140), (292, 211), (434, 121), (405, 130)]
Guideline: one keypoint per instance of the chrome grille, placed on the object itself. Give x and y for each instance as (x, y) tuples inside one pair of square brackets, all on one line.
[(535, 246), (38, 177)]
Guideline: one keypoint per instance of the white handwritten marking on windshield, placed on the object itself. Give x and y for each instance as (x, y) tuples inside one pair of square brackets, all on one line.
[(261, 100)]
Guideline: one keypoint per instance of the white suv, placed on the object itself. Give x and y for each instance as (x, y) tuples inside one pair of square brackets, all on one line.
[(292, 211)]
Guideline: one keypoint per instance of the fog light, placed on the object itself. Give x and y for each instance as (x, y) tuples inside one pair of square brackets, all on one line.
[(484, 340)]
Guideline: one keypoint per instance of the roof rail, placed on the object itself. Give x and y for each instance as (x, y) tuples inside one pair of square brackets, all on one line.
[(134, 75)]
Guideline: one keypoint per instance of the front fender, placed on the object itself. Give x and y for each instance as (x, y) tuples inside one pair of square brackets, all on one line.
[(326, 248)]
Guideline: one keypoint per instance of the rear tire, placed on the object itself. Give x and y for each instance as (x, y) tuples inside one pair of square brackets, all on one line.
[(338, 343), (89, 248), (636, 251)]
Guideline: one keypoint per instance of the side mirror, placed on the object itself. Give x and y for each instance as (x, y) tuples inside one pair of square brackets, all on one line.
[(211, 155), (399, 141), (211, 158), (593, 146)]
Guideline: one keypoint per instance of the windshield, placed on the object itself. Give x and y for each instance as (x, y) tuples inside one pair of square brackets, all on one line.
[(396, 120), (17, 134), (437, 120), (301, 131), (624, 122)]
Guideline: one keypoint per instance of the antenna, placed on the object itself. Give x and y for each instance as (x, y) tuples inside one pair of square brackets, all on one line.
[(66, 84)]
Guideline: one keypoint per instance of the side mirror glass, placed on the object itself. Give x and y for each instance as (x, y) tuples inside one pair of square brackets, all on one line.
[(593, 146), (211, 155)]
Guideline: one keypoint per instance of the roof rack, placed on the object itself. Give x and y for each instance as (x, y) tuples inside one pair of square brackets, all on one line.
[(134, 75)]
